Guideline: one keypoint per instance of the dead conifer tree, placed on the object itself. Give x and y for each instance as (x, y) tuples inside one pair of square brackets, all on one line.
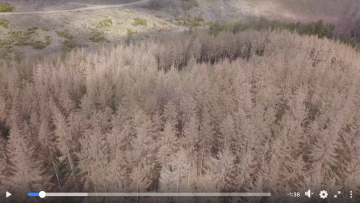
[(141, 157), (173, 175), (27, 171), (3, 164), (48, 144), (64, 141)]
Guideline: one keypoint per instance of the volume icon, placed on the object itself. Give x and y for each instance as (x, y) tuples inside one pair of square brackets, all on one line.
[(308, 193)]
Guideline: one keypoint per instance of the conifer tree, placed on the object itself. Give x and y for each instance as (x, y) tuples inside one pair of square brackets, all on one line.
[(206, 136), (139, 178), (190, 142), (168, 144), (64, 138), (191, 134), (188, 108), (141, 157), (27, 171), (224, 168), (228, 134), (2, 108), (170, 113), (93, 157), (173, 176), (48, 144), (142, 144), (206, 183), (3, 164), (117, 174)]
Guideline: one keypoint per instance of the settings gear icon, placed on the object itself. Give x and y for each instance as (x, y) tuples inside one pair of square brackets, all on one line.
[(323, 194)]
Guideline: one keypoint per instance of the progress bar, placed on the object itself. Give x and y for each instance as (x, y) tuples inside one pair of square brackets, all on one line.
[(43, 194)]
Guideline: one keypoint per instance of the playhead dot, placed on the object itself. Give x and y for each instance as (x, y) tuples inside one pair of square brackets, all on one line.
[(42, 194)]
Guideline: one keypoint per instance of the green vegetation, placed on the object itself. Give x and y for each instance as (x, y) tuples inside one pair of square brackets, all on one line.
[(107, 22), (130, 32), (38, 45), (127, 11), (352, 41), (41, 45), (4, 43), (6, 7), (139, 21), (161, 29), (18, 57), (318, 28), (4, 23), (190, 21), (21, 38), (48, 40), (97, 35), (68, 45), (163, 23), (313, 28), (66, 34)]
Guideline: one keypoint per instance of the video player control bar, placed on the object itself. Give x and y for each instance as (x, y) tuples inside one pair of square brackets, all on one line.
[(43, 194)]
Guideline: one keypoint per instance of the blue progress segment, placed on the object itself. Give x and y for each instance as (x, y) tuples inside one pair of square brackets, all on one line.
[(33, 194)]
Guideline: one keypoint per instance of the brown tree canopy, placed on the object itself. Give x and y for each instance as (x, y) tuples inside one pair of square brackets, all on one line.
[(188, 113)]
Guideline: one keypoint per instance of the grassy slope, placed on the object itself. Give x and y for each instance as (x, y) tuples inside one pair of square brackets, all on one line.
[(289, 10), (81, 25)]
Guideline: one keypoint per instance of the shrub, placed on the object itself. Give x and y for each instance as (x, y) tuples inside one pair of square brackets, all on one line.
[(6, 7), (41, 45), (4, 23), (38, 45), (97, 35), (189, 21), (107, 22), (68, 45), (21, 38), (66, 34), (139, 21), (130, 32), (47, 40)]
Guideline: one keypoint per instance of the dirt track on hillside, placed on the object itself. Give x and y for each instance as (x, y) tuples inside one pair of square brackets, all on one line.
[(75, 10)]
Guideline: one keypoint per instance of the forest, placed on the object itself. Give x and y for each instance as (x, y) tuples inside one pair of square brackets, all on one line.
[(253, 111), (347, 30)]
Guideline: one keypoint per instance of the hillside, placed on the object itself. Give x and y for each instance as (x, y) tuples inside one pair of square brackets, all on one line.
[(289, 10), (38, 33), (294, 10), (285, 10)]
